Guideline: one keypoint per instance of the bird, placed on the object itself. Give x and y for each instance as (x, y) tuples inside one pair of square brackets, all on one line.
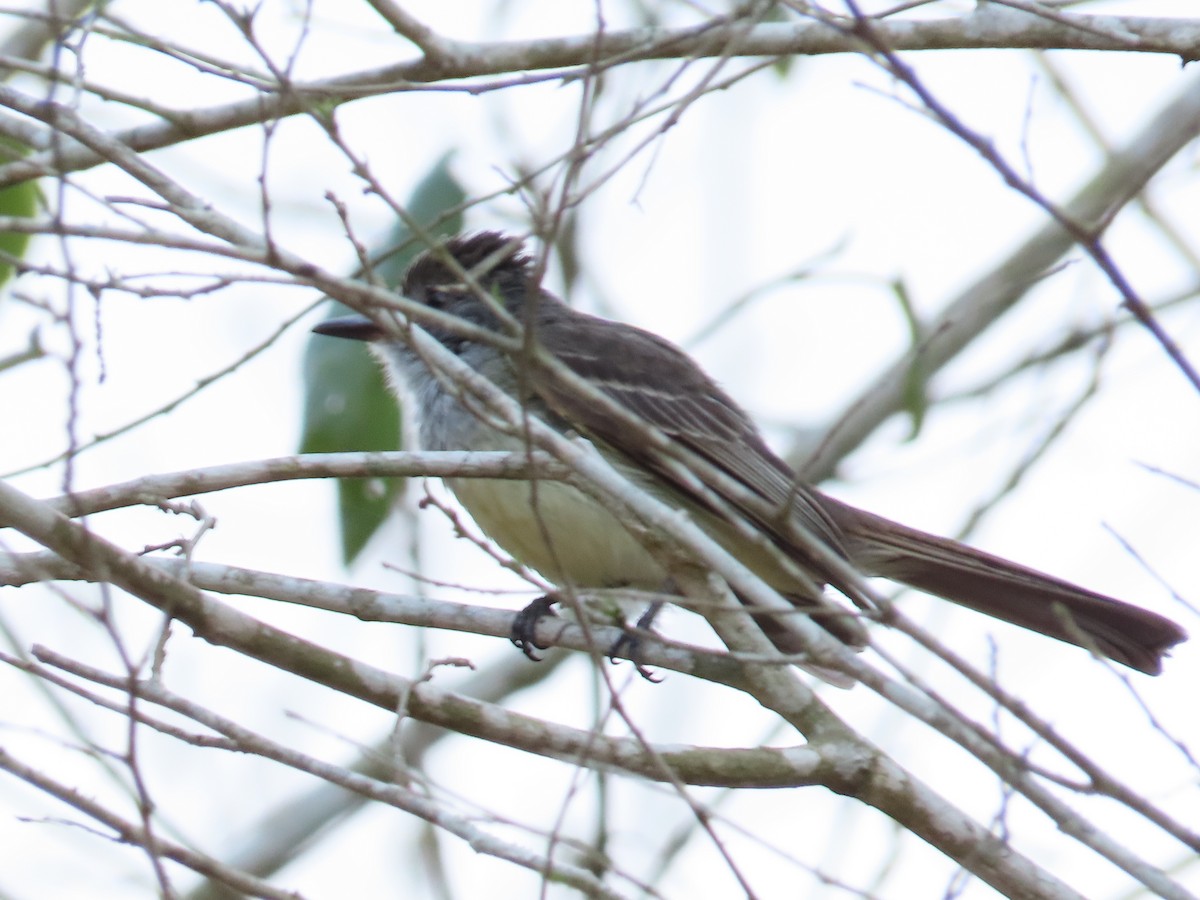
[(488, 283)]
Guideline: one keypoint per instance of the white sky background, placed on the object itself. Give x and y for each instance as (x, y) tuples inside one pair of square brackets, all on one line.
[(752, 183)]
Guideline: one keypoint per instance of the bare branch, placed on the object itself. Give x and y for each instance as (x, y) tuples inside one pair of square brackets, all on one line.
[(987, 27), (1123, 175)]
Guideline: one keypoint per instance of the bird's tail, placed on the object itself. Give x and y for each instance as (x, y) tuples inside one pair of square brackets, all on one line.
[(989, 584)]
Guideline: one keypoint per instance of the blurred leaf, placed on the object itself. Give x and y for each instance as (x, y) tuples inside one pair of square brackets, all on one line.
[(916, 380), (782, 65), (566, 248), (347, 406), (437, 193), (19, 200)]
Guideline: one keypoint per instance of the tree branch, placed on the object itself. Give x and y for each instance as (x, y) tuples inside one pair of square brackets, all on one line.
[(1125, 173), (988, 27)]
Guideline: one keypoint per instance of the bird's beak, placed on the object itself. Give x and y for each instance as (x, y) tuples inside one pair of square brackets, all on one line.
[(356, 328)]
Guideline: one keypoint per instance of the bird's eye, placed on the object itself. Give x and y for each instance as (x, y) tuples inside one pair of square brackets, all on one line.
[(439, 298)]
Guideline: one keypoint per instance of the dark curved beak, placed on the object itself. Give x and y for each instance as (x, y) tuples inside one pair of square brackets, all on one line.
[(356, 328)]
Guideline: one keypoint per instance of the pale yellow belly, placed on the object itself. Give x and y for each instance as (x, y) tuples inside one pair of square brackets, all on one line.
[(559, 531)]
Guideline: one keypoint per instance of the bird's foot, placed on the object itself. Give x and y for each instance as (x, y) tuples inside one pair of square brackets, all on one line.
[(524, 627), (628, 645)]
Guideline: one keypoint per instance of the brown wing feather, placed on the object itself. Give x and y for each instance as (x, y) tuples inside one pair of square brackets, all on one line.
[(655, 380)]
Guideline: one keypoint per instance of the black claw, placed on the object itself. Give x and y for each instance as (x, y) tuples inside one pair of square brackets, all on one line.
[(645, 671), (629, 644), (524, 628)]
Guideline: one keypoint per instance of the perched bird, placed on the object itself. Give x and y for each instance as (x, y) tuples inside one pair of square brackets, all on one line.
[(574, 541)]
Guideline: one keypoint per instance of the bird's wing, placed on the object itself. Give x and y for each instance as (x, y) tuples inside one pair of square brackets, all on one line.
[(655, 380)]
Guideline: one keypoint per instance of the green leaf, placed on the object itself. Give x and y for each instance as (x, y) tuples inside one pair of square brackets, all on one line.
[(437, 194), (916, 382), (18, 200), (782, 65), (347, 405)]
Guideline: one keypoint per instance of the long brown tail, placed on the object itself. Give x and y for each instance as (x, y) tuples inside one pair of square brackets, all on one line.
[(992, 585)]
